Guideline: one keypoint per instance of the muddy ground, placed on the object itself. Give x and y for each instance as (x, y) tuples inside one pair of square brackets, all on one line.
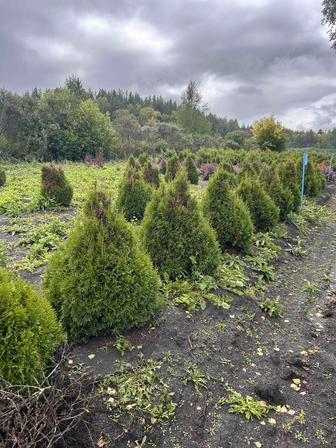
[(240, 348)]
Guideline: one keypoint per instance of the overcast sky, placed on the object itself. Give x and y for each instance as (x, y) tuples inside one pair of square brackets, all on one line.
[(251, 57)]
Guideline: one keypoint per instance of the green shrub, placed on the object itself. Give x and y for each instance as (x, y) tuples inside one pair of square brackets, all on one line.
[(173, 167), (3, 258), (101, 281), (191, 169), (314, 180), (55, 186), (227, 213), (178, 238), (280, 193), (29, 331), (230, 177), (133, 162), (282, 197), (133, 194), (2, 177), (151, 174), (143, 159), (264, 213), (163, 166), (289, 177)]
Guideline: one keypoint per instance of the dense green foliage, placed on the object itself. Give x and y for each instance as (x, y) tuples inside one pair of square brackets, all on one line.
[(314, 180), (329, 19), (191, 169), (227, 213), (289, 176), (281, 196), (264, 213), (173, 165), (100, 281), (269, 134), (55, 186), (278, 190), (29, 332), (69, 122), (133, 194), (2, 177), (151, 174), (176, 235)]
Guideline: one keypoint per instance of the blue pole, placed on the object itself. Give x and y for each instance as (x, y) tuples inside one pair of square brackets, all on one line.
[(304, 163)]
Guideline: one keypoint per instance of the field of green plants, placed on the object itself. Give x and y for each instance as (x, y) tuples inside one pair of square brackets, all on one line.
[(153, 298)]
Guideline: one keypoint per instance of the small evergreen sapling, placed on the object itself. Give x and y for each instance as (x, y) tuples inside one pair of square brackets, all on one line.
[(265, 214), (163, 166), (289, 177), (101, 281), (133, 194), (151, 174), (280, 193), (177, 236), (29, 331), (55, 186), (2, 177), (191, 169), (173, 166), (227, 213), (314, 180)]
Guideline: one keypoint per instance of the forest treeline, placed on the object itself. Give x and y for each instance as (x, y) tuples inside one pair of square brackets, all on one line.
[(70, 122)]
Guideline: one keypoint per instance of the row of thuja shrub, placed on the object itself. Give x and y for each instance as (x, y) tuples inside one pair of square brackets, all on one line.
[(101, 280)]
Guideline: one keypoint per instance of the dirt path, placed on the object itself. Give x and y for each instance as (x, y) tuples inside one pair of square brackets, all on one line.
[(246, 350)]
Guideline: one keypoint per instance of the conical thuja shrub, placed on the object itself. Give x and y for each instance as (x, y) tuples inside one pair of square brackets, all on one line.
[(151, 174), (264, 213), (288, 173), (101, 281), (2, 177), (177, 236), (314, 180), (282, 197), (133, 193), (29, 331), (227, 213), (55, 186), (191, 169), (278, 191), (173, 166)]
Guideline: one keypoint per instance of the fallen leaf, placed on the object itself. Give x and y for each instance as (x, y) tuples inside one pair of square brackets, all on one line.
[(101, 442)]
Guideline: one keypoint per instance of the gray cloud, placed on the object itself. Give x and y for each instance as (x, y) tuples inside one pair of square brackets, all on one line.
[(252, 57)]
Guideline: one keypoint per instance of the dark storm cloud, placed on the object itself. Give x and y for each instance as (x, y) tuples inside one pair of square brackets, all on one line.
[(252, 57)]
